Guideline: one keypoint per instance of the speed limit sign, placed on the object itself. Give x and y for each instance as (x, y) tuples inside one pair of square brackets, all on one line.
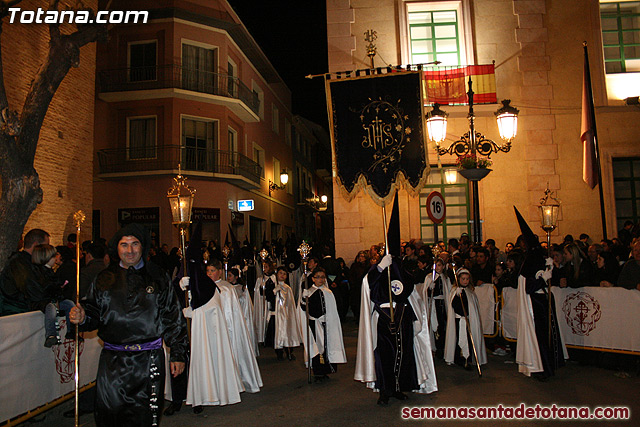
[(436, 209)]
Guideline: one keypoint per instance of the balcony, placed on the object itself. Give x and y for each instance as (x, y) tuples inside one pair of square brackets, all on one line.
[(131, 84), (218, 164)]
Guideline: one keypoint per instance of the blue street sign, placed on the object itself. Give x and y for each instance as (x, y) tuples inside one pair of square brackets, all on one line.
[(245, 205)]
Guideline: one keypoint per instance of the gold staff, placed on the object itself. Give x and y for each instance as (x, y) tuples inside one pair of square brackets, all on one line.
[(304, 250), (436, 251), (78, 218), (225, 253)]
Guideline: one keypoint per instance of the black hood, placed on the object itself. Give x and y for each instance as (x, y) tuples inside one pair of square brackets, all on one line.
[(136, 230)]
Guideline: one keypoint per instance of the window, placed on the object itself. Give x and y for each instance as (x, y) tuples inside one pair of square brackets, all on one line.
[(275, 119), (287, 131), (276, 171), (142, 61), (232, 75), (260, 94), (232, 137), (141, 134), (198, 66), (436, 31), (198, 142), (456, 198), (258, 157), (626, 184), (621, 36)]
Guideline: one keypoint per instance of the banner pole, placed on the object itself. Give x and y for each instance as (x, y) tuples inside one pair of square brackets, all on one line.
[(386, 249)]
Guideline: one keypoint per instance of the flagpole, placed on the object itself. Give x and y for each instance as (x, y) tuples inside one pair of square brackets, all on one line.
[(592, 113)]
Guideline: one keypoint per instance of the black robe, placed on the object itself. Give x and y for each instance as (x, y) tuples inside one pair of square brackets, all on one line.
[(130, 306), (394, 354), (552, 355)]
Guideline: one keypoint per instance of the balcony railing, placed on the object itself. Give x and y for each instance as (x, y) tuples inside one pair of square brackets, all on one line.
[(130, 160), (177, 77)]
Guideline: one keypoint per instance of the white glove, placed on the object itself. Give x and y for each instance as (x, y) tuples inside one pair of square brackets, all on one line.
[(187, 312), (458, 290), (306, 293), (384, 262), (549, 262), (184, 283), (544, 274)]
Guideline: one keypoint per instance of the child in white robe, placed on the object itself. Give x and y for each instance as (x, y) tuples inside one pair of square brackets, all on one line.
[(463, 305)]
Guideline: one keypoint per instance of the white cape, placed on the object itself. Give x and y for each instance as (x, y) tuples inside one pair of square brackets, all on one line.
[(528, 352), (287, 331), (213, 373), (460, 337), (430, 304), (243, 351), (244, 298), (335, 343), (367, 341)]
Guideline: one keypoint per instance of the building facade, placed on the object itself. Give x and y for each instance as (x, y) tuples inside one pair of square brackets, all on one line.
[(312, 181), (537, 49), (191, 89)]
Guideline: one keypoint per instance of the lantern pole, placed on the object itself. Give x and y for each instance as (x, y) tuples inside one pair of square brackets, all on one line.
[(181, 201), (549, 207)]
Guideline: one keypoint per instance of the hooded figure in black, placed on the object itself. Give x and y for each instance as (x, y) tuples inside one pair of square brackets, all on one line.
[(134, 308), (395, 365), (534, 273)]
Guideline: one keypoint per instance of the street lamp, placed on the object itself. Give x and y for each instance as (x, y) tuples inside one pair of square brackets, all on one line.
[(451, 176), (284, 179), (475, 144), (320, 203)]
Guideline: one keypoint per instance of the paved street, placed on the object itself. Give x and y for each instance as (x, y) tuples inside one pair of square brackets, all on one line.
[(287, 399)]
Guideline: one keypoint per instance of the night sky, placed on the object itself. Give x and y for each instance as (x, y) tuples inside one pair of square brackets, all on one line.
[(293, 35)]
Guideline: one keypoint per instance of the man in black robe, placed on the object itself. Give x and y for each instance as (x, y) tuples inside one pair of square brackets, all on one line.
[(394, 354), (535, 273), (134, 308)]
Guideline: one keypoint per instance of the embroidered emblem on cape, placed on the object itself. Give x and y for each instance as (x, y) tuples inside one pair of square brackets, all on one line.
[(150, 289), (65, 355), (581, 312), (396, 287)]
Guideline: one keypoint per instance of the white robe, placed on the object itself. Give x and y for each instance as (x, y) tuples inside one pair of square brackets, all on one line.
[(367, 341), (213, 373), (287, 326), (243, 351), (335, 343), (460, 337), (260, 307), (527, 351), (244, 298), (430, 304)]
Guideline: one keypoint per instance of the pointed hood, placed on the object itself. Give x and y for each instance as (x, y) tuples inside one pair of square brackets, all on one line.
[(393, 232), (202, 288), (534, 260), (530, 238)]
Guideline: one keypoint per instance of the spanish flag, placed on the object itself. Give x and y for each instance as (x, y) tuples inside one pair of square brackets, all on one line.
[(449, 85)]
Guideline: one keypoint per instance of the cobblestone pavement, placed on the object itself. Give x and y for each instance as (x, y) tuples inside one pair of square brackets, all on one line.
[(287, 399)]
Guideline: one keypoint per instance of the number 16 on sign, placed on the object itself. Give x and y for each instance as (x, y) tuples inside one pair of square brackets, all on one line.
[(436, 209)]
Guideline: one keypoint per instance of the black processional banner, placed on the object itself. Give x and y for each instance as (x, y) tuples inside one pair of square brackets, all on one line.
[(377, 134)]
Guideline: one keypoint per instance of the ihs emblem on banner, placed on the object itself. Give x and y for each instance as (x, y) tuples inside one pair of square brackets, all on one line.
[(384, 131)]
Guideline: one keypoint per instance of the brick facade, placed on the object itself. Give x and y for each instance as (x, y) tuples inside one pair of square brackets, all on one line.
[(64, 158)]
